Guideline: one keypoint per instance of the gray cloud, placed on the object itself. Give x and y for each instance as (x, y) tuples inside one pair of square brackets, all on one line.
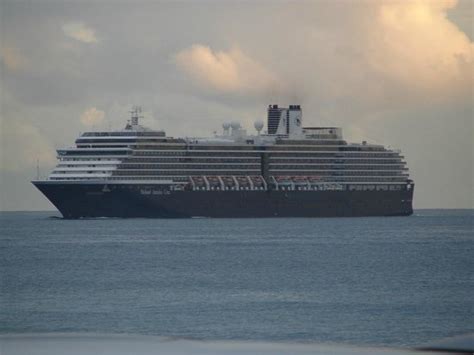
[(398, 73), (80, 32)]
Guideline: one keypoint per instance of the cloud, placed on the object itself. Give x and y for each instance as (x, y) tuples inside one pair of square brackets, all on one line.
[(80, 32), (231, 71), (415, 44), (395, 71), (92, 116), (371, 57), (22, 145), (13, 59)]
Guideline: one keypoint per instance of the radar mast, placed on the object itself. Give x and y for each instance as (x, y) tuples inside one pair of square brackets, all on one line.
[(135, 115)]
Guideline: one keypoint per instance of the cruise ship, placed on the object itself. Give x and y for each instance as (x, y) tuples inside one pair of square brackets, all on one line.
[(288, 170)]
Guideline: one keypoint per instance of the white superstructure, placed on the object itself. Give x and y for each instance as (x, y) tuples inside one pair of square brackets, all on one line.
[(289, 156)]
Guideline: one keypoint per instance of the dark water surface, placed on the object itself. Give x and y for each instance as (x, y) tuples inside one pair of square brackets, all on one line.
[(380, 281)]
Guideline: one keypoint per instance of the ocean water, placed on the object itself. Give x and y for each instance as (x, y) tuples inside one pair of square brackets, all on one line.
[(398, 281)]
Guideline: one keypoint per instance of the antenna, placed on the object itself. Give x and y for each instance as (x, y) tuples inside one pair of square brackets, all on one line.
[(37, 169), (135, 115), (109, 126)]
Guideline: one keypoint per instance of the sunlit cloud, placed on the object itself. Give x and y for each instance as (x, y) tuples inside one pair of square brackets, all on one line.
[(12, 59), (227, 71), (415, 44), (92, 116), (80, 32)]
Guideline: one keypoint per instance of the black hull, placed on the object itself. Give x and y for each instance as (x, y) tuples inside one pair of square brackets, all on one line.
[(75, 200)]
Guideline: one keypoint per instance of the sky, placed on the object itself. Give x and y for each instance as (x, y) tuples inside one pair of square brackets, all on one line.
[(398, 73)]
